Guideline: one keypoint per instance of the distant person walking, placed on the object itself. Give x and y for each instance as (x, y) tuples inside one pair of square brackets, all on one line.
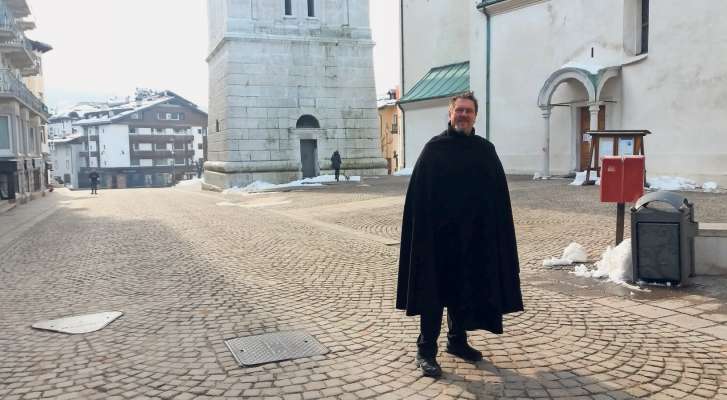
[(200, 168), (94, 178), (336, 163)]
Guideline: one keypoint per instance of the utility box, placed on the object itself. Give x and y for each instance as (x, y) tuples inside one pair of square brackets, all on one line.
[(622, 178), (662, 239)]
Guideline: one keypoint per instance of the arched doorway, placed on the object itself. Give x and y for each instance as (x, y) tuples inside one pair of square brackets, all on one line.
[(308, 145), (589, 106), (307, 121)]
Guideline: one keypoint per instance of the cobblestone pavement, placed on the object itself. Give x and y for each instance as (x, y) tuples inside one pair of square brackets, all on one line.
[(191, 269)]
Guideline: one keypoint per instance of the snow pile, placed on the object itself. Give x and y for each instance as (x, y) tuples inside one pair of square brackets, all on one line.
[(710, 187), (671, 183), (404, 172), (573, 253), (189, 182), (581, 177), (615, 264), (259, 186)]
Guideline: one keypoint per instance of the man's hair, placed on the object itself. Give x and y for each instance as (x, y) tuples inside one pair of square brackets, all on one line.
[(467, 96)]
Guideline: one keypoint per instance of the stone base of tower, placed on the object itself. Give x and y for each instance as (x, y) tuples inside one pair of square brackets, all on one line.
[(221, 175)]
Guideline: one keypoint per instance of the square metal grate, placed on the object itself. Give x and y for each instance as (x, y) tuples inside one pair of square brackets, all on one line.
[(271, 347)]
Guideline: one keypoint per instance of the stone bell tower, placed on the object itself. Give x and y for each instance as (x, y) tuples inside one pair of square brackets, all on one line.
[(290, 82)]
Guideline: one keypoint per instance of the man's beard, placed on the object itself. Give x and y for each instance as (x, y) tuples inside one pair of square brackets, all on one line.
[(459, 129)]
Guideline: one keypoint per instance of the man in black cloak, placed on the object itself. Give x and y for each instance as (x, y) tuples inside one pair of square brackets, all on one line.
[(458, 247)]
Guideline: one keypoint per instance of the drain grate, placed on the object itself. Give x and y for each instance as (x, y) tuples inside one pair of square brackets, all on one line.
[(271, 347)]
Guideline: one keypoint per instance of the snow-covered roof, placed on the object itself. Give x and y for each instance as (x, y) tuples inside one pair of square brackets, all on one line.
[(89, 112), (385, 102), (66, 139)]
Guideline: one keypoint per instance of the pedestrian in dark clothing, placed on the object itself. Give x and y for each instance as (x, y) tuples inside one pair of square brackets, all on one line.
[(458, 247), (94, 178), (199, 169), (336, 163)]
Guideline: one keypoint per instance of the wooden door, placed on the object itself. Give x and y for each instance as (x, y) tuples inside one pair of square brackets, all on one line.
[(585, 125)]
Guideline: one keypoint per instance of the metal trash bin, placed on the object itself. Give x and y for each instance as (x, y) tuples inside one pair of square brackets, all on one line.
[(662, 239)]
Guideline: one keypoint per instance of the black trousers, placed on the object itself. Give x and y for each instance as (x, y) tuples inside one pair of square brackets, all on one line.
[(338, 171), (431, 326)]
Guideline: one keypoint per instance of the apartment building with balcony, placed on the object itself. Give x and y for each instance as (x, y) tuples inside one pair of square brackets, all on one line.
[(23, 115), (154, 140)]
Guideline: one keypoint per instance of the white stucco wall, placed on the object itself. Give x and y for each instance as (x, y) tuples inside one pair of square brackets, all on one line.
[(424, 121), (559, 32), (197, 142), (437, 33), (678, 91), (114, 146)]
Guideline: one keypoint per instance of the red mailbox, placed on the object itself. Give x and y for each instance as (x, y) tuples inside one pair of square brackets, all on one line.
[(622, 178)]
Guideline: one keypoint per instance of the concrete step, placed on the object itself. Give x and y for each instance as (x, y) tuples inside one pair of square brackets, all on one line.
[(710, 249)]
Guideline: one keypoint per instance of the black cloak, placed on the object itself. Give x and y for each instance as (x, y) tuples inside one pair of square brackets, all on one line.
[(458, 246)]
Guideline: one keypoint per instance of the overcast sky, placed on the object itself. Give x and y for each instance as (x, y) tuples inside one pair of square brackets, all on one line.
[(103, 48)]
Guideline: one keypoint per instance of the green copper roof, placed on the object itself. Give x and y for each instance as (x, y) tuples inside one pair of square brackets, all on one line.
[(443, 81)]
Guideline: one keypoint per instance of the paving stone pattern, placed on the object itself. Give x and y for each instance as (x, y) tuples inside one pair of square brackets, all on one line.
[(192, 269)]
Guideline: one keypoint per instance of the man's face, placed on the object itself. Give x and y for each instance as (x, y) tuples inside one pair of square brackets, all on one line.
[(462, 116)]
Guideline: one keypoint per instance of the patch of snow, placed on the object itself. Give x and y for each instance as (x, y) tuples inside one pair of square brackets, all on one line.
[(315, 179), (190, 182), (404, 172), (615, 263), (710, 187), (582, 271), (354, 179), (573, 253), (581, 177), (671, 183), (258, 186)]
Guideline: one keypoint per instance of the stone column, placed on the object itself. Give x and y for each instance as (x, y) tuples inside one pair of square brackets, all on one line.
[(593, 109), (545, 172)]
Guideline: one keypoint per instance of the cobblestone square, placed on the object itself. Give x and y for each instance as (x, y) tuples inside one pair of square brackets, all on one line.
[(190, 269)]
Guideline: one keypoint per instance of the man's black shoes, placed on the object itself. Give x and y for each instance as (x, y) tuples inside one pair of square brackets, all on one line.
[(464, 351), (429, 366)]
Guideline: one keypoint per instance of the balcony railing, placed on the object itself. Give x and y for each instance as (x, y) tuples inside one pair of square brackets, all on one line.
[(8, 27), (19, 50), (10, 86), (159, 138)]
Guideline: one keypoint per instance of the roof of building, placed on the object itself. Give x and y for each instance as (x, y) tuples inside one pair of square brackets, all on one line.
[(40, 46), (96, 113), (67, 139), (442, 81)]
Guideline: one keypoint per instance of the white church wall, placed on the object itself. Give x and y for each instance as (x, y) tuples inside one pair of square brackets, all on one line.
[(678, 91), (559, 32), (436, 34)]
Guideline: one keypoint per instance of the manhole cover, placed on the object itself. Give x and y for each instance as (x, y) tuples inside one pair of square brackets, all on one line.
[(80, 323), (271, 347)]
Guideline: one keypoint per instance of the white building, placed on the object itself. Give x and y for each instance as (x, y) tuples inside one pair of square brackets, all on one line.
[(290, 82), (66, 159), (560, 67), (139, 143)]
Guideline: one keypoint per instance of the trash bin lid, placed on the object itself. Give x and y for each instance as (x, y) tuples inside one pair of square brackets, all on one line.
[(670, 198)]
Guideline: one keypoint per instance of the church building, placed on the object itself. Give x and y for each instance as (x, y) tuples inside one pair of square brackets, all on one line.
[(291, 81)]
